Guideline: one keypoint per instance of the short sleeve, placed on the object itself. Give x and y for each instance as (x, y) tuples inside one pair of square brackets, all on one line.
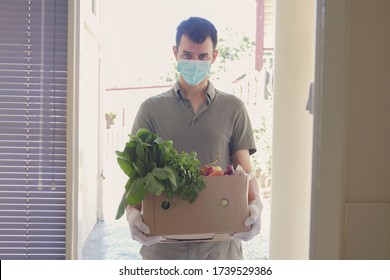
[(242, 136)]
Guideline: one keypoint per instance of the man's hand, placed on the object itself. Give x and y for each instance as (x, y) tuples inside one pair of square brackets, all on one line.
[(138, 228), (254, 221)]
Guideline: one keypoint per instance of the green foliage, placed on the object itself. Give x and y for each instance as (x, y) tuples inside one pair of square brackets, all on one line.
[(188, 177), (233, 48), (154, 166)]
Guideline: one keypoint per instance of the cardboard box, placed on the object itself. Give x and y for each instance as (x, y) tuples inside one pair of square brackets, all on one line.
[(220, 209)]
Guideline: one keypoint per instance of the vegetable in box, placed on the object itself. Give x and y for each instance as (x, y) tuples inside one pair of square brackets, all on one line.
[(154, 166)]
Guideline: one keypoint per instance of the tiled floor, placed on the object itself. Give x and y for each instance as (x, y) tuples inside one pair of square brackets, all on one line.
[(111, 241)]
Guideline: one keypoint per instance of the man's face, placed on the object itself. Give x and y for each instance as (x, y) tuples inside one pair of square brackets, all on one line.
[(192, 51)]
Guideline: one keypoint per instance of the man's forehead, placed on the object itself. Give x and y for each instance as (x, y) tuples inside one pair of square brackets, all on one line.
[(186, 39), (186, 44)]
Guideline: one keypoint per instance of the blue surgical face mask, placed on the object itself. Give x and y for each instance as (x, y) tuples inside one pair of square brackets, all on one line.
[(193, 71)]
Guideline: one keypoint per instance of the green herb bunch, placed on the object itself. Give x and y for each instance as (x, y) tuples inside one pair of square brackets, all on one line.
[(189, 180), (154, 166)]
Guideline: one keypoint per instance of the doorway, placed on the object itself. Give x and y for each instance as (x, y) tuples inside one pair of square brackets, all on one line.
[(133, 69)]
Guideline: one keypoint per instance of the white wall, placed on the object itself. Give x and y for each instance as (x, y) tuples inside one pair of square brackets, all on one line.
[(88, 120), (367, 203), (292, 132)]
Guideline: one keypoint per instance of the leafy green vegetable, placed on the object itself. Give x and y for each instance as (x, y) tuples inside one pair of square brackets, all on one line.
[(154, 166), (189, 180)]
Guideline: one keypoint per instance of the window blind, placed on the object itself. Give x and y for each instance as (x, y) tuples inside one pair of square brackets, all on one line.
[(33, 59)]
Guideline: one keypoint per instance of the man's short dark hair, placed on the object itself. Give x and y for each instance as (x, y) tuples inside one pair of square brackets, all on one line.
[(197, 29)]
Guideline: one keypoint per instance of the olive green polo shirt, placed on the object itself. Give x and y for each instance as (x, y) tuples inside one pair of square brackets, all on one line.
[(222, 124)]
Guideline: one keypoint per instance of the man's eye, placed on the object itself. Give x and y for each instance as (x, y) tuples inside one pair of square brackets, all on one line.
[(203, 57), (187, 55)]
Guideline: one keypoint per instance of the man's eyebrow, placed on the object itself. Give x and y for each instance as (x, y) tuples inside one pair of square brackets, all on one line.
[(205, 53)]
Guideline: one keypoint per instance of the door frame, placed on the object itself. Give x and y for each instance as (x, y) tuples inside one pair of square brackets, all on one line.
[(324, 187), (72, 246), (89, 22), (330, 130)]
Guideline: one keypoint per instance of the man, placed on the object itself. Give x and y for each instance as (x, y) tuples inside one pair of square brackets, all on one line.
[(197, 117)]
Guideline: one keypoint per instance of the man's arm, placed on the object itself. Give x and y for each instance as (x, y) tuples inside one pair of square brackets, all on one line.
[(255, 206), (242, 158)]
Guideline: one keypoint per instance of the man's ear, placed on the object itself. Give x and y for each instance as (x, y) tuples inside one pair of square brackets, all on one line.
[(175, 51), (215, 54)]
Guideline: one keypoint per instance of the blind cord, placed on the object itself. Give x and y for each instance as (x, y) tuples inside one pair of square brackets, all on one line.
[(53, 184), (42, 72)]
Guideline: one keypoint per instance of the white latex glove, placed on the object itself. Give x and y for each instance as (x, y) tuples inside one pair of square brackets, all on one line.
[(138, 228), (254, 221)]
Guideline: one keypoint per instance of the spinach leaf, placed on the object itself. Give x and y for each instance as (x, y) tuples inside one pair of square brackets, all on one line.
[(137, 191), (153, 185)]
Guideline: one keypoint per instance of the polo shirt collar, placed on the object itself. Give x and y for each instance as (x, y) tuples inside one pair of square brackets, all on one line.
[(210, 92)]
